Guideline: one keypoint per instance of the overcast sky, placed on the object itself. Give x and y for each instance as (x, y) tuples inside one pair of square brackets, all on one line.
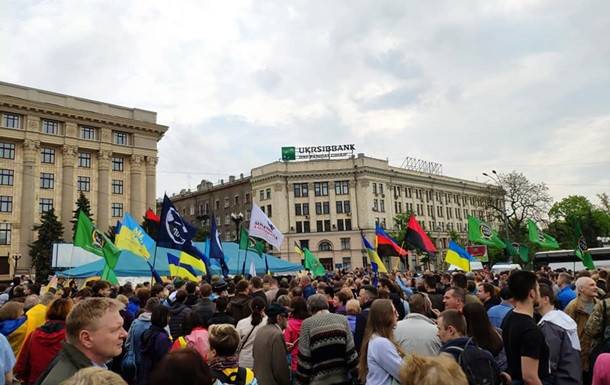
[(474, 85)]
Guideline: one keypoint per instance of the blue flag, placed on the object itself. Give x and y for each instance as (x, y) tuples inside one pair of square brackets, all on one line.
[(175, 233), (216, 248)]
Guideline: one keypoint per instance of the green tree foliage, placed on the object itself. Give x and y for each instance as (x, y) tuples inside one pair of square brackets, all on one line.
[(594, 221), (111, 233), (523, 200), (202, 234), (50, 231), (82, 203)]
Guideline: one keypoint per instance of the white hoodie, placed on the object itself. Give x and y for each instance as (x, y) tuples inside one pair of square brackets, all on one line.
[(565, 322)]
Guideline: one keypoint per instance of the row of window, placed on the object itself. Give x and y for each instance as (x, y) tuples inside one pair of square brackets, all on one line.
[(47, 155), (83, 183), (320, 188), (324, 226), (322, 208), (53, 127), (325, 245), (46, 204)]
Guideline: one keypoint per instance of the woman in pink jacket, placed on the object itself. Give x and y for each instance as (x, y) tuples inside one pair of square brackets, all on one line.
[(293, 330)]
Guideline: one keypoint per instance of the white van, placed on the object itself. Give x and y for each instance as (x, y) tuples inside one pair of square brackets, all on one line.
[(500, 267), (474, 266)]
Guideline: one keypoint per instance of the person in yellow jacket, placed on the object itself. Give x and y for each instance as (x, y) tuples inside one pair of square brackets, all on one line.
[(37, 314)]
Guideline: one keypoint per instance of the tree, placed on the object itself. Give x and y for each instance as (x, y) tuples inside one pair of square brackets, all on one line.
[(82, 203), (111, 233), (594, 221), (50, 231), (518, 200), (151, 228), (202, 234), (605, 202)]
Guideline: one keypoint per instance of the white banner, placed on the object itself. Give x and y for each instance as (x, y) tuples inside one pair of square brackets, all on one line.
[(261, 227)]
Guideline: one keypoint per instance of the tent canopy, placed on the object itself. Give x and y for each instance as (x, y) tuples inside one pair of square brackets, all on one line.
[(130, 265)]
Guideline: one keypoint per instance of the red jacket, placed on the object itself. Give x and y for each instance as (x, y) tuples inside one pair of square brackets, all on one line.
[(38, 351)]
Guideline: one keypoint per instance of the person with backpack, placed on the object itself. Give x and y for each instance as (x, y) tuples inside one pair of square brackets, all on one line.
[(478, 364), (223, 363), (560, 333), (194, 335), (597, 329)]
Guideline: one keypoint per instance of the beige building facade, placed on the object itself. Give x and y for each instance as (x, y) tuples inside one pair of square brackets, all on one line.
[(325, 205), (54, 146)]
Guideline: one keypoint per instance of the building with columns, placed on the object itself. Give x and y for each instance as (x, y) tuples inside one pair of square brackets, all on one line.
[(54, 146)]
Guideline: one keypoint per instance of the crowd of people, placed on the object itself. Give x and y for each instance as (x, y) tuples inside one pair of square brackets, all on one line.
[(348, 327)]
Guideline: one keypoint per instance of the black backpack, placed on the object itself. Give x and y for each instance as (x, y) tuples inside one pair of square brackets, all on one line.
[(478, 365), (235, 378)]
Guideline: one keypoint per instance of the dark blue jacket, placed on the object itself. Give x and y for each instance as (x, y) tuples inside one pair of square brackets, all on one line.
[(154, 346)]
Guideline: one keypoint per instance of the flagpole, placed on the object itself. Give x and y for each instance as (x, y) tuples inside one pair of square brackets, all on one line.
[(243, 268)]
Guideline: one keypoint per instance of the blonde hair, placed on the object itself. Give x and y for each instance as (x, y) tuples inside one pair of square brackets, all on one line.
[(431, 370), (352, 307), (122, 299), (94, 375), (348, 292), (86, 315), (224, 339)]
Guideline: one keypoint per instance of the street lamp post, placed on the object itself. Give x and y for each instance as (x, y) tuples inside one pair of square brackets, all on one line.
[(497, 181), (237, 218), (16, 257)]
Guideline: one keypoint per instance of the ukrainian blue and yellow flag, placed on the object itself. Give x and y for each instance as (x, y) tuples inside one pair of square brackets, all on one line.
[(133, 238), (458, 256), (185, 265), (376, 263)]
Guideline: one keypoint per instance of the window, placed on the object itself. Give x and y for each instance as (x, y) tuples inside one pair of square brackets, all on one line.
[(408, 192), (120, 138), (269, 212), (227, 202), (344, 224), (248, 198), (304, 243), (116, 210), (47, 155), (83, 183), (345, 244), (319, 226), (118, 163), (5, 233), (297, 209), (248, 215), (50, 127), (398, 207), (303, 227), (217, 204), (341, 187), (217, 221), (380, 188), (227, 219), (340, 225), (322, 208), (449, 212), (44, 205), (343, 207), (347, 263), (262, 195), (300, 190), (346, 207), (268, 192), (84, 160), (236, 200), (325, 246), (206, 208), (6, 177), (320, 188), (381, 205), (47, 180), (6, 204), (375, 204), (339, 207), (375, 188), (117, 186), (87, 133), (7, 150), (10, 121), (263, 209), (348, 224)]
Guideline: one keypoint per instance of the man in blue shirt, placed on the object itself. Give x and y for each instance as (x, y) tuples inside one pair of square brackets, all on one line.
[(497, 313), (566, 294)]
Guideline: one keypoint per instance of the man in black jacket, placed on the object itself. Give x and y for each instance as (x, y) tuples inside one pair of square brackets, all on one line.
[(205, 307), (366, 296)]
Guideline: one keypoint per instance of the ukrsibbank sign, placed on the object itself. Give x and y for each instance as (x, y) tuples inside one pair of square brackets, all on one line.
[(318, 152)]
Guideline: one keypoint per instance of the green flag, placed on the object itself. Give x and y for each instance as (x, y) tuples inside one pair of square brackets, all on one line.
[(537, 236), (312, 263), (248, 244), (93, 240), (481, 232), (580, 247), (512, 250)]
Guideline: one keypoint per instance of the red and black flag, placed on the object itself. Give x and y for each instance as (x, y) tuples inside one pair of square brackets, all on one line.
[(418, 238)]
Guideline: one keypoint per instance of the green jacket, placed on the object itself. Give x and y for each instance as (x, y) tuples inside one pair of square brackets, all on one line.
[(576, 310), (69, 361), (595, 326)]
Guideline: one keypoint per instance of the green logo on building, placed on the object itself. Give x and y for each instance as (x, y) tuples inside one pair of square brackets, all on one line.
[(288, 153)]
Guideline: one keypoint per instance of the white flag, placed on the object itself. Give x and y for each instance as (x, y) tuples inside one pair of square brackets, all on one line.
[(252, 271), (261, 227)]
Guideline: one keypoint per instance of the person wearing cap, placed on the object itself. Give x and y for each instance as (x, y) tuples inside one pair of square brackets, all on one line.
[(498, 312), (269, 351)]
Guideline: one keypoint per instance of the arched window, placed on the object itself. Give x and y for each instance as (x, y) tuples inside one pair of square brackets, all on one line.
[(325, 246)]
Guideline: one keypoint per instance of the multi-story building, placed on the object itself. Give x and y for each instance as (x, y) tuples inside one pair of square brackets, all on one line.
[(53, 146), (325, 205), (230, 202)]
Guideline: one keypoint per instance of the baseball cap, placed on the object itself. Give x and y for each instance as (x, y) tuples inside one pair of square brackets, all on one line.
[(276, 309)]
